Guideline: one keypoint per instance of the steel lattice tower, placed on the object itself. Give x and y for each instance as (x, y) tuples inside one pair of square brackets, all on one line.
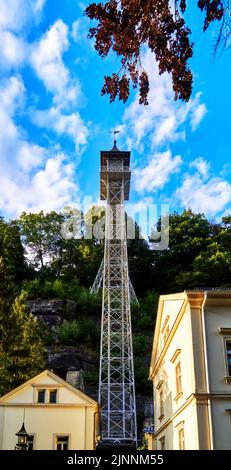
[(116, 380)]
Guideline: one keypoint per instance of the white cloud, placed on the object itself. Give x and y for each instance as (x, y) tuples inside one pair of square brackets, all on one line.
[(209, 197), (16, 153), (31, 177), (67, 124), (29, 156), (47, 61), (201, 165), (46, 57), (157, 173), (14, 16), (48, 189), (80, 29), (38, 6), (13, 50), (12, 94), (163, 120), (198, 114)]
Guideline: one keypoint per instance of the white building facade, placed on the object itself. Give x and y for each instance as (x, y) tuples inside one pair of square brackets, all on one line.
[(191, 371)]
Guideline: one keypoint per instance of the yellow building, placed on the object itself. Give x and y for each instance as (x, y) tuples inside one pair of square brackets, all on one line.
[(191, 371), (56, 415)]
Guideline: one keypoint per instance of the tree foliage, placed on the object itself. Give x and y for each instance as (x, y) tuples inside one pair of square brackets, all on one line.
[(198, 255), (41, 234), (12, 251), (21, 348), (125, 26)]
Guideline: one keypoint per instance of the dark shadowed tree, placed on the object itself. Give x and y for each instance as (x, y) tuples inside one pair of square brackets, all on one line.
[(13, 252), (22, 354), (21, 348)]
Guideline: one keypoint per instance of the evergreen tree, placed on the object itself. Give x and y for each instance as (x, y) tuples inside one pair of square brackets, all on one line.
[(21, 349), (13, 252)]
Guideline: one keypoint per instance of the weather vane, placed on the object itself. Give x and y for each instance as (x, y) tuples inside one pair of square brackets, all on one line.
[(114, 133)]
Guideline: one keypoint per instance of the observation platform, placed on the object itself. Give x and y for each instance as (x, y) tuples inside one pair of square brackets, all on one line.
[(114, 167)]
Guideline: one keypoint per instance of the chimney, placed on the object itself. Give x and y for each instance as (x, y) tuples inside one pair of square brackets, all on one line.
[(76, 378)]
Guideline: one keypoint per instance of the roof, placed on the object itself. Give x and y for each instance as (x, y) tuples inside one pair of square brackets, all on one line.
[(58, 379), (22, 431)]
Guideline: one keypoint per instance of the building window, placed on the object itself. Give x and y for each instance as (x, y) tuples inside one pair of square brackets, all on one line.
[(228, 356), (30, 442), (53, 396), (178, 379), (181, 438), (161, 405), (41, 396), (162, 443), (62, 442)]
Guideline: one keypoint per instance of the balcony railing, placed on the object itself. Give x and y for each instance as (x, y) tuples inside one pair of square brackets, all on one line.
[(115, 168)]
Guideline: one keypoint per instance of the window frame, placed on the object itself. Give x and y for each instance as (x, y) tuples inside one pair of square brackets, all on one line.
[(225, 332), (62, 436), (56, 396), (227, 339), (181, 436), (178, 378), (161, 400), (32, 436), (38, 391), (176, 361), (162, 442)]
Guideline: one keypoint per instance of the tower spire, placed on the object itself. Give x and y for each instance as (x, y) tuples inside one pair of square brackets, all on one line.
[(114, 132)]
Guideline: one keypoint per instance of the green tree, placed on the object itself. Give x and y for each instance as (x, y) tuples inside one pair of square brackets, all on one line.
[(13, 252), (2, 231), (140, 265), (82, 256), (189, 235), (7, 288), (41, 234), (22, 354)]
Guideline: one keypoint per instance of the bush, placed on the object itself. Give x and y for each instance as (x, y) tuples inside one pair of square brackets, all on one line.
[(143, 384), (91, 377), (69, 332), (90, 334), (143, 315), (78, 331), (58, 289), (140, 345), (87, 304), (32, 289)]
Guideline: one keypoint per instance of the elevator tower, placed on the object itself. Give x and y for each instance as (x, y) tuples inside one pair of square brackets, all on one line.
[(116, 378)]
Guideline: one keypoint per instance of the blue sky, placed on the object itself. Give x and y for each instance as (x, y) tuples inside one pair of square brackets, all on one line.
[(54, 121)]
